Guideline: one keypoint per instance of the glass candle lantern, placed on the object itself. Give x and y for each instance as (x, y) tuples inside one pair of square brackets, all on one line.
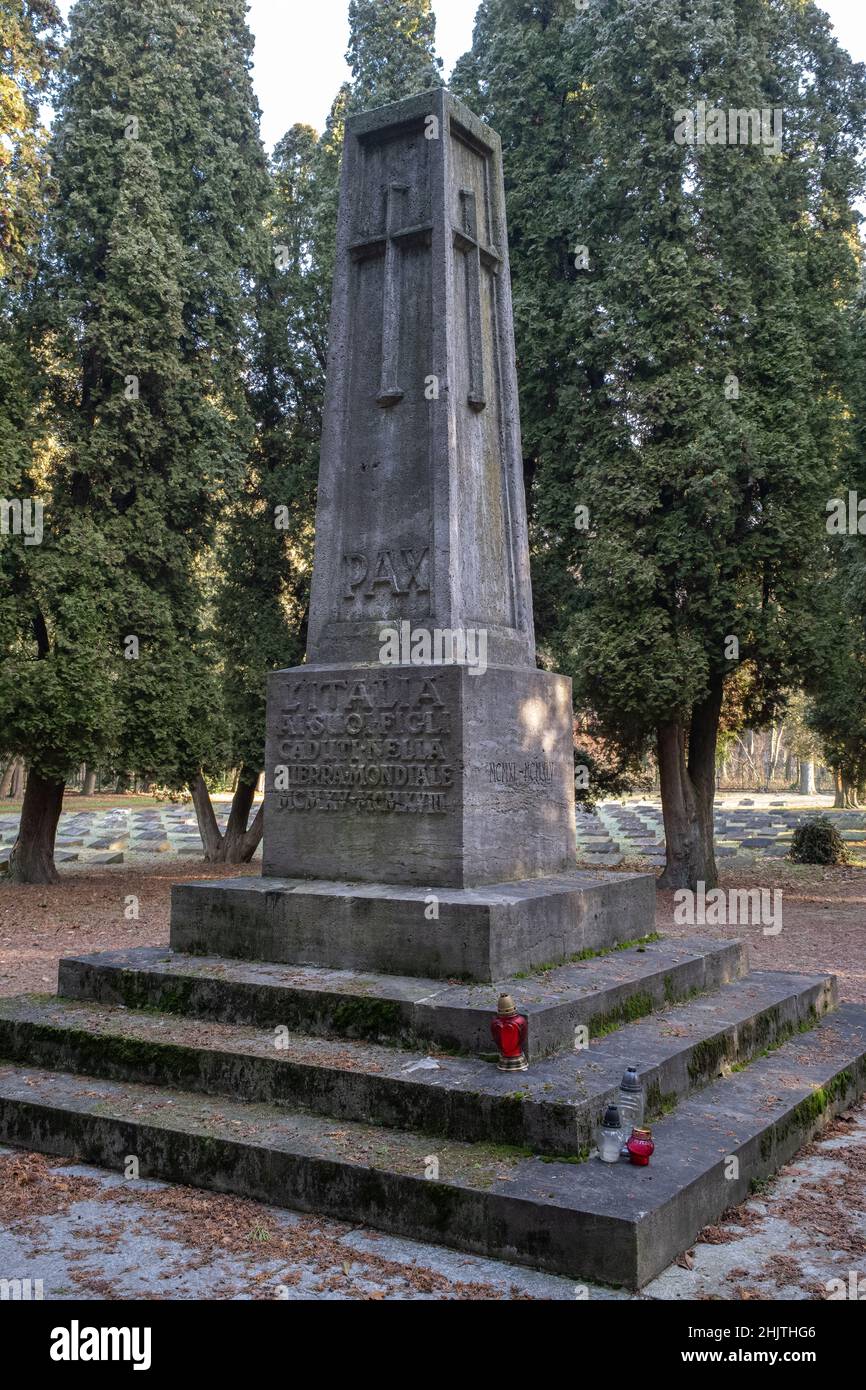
[(631, 1101), (509, 1030), (610, 1136), (640, 1146)]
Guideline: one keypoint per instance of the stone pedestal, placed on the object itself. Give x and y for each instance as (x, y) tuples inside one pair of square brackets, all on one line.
[(480, 934), (419, 775)]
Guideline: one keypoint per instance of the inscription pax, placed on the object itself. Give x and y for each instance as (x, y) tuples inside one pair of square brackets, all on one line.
[(400, 571)]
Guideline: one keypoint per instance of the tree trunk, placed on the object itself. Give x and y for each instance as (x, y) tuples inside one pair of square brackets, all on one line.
[(32, 858), (207, 822), (845, 792), (6, 781), (89, 785), (19, 780), (688, 784), (807, 776), (240, 841)]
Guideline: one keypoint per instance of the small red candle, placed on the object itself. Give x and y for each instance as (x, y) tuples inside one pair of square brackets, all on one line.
[(509, 1033), (640, 1146)]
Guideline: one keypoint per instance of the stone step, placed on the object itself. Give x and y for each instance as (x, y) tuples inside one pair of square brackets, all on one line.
[(617, 1223), (481, 933), (605, 989), (552, 1109)]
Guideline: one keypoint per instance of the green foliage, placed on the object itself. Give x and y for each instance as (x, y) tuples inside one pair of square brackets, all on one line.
[(28, 51), (818, 841), (392, 50), (706, 508), (703, 261), (153, 240), (836, 682)]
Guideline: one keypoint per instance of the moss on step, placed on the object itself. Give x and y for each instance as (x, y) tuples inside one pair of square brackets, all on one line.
[(785, 1032), (659, 1102), (707, 1057), (366, 1017), (805, 1116), (635, 943), (633, 1007), (580, 1156)]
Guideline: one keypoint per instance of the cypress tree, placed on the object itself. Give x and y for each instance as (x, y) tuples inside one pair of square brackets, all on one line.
[(392, 51), (680, 344), (29, 34), (154, 237)]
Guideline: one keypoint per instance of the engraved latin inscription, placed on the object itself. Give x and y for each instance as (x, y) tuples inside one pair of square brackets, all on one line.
[(526, 774), (399, 571)]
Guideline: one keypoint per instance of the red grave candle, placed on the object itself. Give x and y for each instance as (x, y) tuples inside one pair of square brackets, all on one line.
[(640, 1146), (509, 1033)]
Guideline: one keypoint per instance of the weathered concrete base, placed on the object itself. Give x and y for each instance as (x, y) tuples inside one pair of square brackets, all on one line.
[(615, 1223), (470, 934), (601, 993)]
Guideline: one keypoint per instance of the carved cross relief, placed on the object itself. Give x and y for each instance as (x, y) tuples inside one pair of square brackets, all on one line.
[(390, 246), (475, 254)]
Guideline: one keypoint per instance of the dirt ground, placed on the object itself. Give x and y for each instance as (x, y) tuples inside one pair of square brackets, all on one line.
[(86, 912), (823, 918), (823, 914)]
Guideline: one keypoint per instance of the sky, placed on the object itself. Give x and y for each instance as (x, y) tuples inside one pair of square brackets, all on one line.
[(300, 47)]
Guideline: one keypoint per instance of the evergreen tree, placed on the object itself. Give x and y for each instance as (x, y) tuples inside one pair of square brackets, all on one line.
[(392, 51), (155, 235), (680, 375), (28, 50), (836, 679), (266, 551)]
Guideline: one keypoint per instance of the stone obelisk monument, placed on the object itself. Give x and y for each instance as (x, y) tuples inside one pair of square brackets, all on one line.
[(419, 811)]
